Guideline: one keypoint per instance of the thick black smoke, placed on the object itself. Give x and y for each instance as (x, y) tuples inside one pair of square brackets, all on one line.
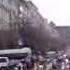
[(21, 19)]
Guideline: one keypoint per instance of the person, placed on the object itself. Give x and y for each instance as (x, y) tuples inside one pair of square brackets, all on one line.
[(34, 61), (41, 61), (29, 62)]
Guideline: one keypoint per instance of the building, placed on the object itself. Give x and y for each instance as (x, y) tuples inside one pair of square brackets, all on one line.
[(65, 33)]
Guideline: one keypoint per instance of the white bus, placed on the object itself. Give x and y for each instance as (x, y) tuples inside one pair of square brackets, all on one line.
[(15, 53)]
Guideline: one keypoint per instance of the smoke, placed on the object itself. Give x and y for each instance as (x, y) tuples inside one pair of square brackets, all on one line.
[(67, 50), (34, 30)]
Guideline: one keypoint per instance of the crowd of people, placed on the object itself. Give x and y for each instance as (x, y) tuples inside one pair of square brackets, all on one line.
[(39, 62)]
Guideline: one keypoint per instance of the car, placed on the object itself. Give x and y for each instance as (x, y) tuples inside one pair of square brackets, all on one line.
[(4, 61)]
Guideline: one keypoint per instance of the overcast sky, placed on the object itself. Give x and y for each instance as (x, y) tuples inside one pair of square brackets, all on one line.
[(56, 10)]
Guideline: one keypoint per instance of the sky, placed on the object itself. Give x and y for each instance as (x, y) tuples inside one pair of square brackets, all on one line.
[(56, 10)]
